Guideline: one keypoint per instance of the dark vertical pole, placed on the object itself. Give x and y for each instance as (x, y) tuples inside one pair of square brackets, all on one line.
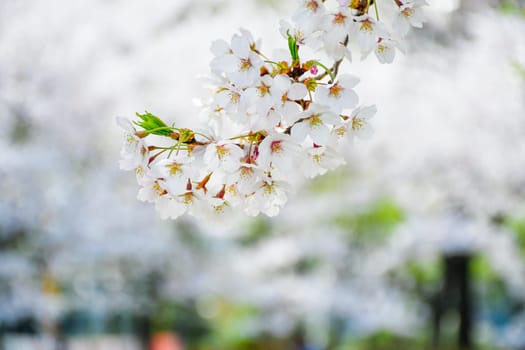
[(456, 294), (464, 307), (143, 324), (298, 339), (2, 346), (436, 320)]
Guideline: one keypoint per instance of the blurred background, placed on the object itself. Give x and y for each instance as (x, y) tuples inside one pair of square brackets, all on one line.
[(418, 243)]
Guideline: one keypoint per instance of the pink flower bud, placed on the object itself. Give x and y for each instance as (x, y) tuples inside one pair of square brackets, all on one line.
[(313, 70)]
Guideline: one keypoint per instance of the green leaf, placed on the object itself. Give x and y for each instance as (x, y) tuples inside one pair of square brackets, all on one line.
[(153, 124), (519, 69), (292, 46), (374, 223)]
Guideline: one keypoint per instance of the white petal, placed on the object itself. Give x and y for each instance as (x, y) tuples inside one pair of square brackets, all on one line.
[(240, 46), (281, 83), (320, 134), (300, 131), (125, 124), (297, 91), (291, 112), (219, 47), (367, 112), (348, 80)]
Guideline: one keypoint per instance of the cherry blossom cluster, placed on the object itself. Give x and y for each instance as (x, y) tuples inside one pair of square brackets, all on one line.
[(271, 122)]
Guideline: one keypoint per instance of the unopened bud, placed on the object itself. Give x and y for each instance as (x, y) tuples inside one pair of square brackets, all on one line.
[(141, 134)]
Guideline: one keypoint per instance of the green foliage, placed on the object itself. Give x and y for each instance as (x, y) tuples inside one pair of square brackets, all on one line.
[(153, 124), (374, 223), (259, 229), (330, 182), (182, 318), (293, 47), (21, 131), (425, 273), (481, 270), (229, 325), (385, 340), (519, 69), (517, 226), (306, 265), (510, 7)]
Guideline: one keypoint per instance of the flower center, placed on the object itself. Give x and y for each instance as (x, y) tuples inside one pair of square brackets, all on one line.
[(317, 158), (222, 151), (408, 12), (276, 147), (246, 172), (339, 18), (139, 171), (269, 188), (263, 89), (159, 190), (357, 124), (174, 168), (381, 48), (245, 64), (315, 120), (336, 90), (366, 26), (187, 198), (340, 132), (312, 5), (234, 97)]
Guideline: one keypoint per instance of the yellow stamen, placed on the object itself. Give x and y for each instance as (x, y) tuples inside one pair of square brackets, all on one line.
[(245, 64), (222, 151), (357, 123), (366, 26), (339, 18), (312, 5), (336, 90)]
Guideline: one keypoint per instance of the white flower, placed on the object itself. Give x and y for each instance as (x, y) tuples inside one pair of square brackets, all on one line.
[(339, 95), (278, 153), (257, 103), (134, 153), (385, 50), (285, 93), (357, 124), (244, 70), (152, 189), (316, 122), (224, 155), (175, 172), (223, 53), (366, 32), (309, 11), (318, 160), (213, 209), (338, 26), (410, 14), (238, 62), (268, 198), (227, 99), (307, 33), (174, 206), (247, 178)]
